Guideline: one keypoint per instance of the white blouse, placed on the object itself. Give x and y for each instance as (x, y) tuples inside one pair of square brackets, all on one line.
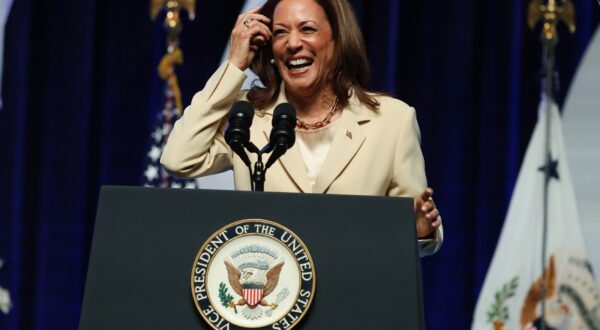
[(314, 146)]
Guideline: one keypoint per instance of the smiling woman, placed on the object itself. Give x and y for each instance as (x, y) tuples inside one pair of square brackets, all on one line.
[(323, 31), (310, 54), (303, 48)]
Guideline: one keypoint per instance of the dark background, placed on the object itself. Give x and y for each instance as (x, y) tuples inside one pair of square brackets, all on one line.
[(81, 97)]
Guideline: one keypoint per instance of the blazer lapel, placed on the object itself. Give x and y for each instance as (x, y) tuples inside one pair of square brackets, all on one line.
[(292, 161), (348, 139)]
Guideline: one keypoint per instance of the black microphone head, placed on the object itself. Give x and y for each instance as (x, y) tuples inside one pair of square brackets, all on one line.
[(284, 111), (240, 119), (284, 122), (243, 110)]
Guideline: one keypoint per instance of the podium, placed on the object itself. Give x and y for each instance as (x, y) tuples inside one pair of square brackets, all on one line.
[(146, 240)]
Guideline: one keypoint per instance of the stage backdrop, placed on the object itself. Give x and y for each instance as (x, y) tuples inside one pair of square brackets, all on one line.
[(81, 96)]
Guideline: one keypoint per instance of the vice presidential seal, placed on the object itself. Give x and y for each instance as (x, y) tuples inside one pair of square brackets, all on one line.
[(253, 274)]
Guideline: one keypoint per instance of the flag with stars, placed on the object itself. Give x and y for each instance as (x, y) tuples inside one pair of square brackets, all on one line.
[(510, 296), (154, 174)]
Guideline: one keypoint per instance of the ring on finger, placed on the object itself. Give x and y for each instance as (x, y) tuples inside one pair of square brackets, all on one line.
[(247, 23)]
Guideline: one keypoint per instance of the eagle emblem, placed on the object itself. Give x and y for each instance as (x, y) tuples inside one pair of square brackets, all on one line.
[(253, 274)]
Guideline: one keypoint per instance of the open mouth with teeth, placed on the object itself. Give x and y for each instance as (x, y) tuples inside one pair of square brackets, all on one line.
[(299, 64)]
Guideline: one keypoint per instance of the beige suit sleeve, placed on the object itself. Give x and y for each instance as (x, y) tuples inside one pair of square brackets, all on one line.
[(196, 145), (408, 178), (409, 175)]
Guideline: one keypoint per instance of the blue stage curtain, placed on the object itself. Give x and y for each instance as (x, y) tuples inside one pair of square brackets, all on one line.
[(81, 96)]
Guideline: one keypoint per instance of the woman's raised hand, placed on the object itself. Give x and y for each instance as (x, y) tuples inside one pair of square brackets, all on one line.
[(250, 32)]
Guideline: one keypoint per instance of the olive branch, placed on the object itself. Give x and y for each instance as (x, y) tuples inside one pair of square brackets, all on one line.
[(225, 297), (498, 311)]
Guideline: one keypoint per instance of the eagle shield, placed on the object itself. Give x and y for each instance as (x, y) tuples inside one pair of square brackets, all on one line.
[(253, 273), (253, 296)]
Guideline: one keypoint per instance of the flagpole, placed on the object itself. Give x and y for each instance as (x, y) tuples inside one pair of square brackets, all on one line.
[(155, 175), (550, 13)]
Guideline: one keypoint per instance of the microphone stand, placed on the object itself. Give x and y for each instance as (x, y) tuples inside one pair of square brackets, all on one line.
[(281, 139), (257, 176)]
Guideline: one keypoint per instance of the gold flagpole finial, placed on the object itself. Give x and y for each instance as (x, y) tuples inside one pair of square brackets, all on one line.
[(551, 13), (173, 8), (174, 55)]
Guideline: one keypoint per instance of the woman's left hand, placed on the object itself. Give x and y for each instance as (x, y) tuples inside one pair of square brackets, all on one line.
[(426, 214)]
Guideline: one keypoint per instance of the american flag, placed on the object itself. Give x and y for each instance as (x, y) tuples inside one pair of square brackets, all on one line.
[(154, 174)]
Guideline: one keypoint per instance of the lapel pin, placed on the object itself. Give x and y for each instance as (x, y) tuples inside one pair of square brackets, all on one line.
[(348, 134)]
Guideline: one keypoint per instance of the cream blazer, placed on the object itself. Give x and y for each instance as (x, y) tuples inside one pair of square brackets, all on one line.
[(373, 152)]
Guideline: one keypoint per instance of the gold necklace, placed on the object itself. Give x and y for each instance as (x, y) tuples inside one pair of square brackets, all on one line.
[(306, 126)]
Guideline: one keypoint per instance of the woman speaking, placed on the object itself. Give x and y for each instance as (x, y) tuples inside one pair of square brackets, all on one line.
[(349, 140)]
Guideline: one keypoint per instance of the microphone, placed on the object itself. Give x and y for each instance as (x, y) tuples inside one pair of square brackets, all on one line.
[(282, 134), (237, 134)]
